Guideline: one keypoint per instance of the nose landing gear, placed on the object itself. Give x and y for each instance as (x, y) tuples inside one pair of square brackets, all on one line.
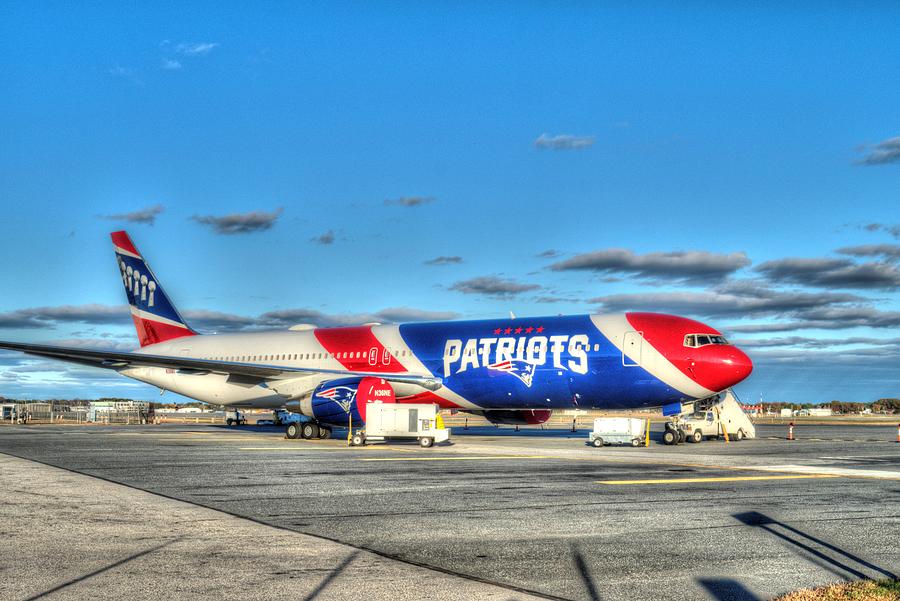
[(673, 435)]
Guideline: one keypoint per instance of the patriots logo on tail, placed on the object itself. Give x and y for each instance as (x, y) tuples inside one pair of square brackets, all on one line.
[(342, 395), (516, 367)]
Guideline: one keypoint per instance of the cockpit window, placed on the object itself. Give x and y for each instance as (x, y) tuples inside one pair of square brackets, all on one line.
[(697, 340)]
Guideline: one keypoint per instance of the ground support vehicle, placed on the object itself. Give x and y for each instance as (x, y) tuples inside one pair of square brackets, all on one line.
[(401, 421), (718, 417), (235, 418), (282, 417), (618, 430)]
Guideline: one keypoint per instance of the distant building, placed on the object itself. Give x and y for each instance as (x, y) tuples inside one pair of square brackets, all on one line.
[(821, 412), (787, 413), (104, 409)]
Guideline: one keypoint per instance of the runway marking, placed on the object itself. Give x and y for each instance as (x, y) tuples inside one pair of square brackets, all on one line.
[(306, 447), (716, 479), (831, 471), (287, 448), (471, 458)]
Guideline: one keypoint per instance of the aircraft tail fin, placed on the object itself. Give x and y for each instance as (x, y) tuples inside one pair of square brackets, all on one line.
[(155, 317)]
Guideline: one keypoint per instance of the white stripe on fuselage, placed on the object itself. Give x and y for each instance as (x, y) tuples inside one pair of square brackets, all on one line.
[(389, 336), (613, 327)]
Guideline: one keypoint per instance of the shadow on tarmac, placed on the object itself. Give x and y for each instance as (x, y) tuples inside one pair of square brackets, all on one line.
[(331, 576), (97, 572), (584, 573), (841, 564), (726, 589)]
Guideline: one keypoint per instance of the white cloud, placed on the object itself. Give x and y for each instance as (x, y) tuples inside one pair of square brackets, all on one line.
[(196, 48), (564, 142)]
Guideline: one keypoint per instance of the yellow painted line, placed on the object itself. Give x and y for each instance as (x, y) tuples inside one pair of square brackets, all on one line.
[(471, 458), (308, 446), (716, 479), (289, 448)]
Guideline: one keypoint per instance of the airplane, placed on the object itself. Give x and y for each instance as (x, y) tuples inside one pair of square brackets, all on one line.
[(514, 370)]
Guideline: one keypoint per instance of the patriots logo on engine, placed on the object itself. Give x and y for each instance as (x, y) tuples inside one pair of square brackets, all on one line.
[(520, 369), (344, 396)]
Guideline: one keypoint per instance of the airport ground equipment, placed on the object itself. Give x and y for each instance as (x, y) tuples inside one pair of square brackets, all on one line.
[(723, 417), (618, 430), (402, 421), (10, 412), (235, 418), (282, 417)]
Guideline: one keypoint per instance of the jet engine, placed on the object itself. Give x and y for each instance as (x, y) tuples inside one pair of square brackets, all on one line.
[(336, 402), (516, 417)]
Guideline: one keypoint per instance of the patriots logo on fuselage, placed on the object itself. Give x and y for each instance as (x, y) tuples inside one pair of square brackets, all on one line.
[(515, 367), (344, 396)]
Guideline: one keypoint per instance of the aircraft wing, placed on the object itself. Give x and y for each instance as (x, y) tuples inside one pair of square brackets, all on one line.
[(118, 360)]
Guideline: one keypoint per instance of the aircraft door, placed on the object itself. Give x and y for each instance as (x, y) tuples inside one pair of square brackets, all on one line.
[(632, 347)]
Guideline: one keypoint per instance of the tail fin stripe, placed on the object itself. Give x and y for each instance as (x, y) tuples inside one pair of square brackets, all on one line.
[(123, 242), (155, 317)]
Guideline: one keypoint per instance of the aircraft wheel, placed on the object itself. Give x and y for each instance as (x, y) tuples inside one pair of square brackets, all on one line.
[(681, 436), (669, 437), (310, 430), (597, 442), (697, 436), (324, 433), (426, 442), (292, 431)]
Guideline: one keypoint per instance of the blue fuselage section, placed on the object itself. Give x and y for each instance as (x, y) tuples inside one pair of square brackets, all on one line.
[(545, 363)]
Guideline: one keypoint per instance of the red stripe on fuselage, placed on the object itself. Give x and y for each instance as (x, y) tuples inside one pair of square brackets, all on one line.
[(430, 398), (347, 343), (151, 332)]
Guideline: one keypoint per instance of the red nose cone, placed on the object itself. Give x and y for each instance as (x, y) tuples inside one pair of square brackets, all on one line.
[(713, 366), (724, 367)]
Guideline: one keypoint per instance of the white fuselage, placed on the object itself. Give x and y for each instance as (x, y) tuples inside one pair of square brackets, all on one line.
[(292, 348)]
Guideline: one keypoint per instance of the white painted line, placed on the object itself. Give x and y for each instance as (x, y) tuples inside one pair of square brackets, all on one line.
[(833, 471)]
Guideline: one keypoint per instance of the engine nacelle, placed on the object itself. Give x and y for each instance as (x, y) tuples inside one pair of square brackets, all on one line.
[(336, 402), (516, 417)]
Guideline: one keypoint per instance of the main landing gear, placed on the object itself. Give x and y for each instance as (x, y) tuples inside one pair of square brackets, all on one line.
[(307, 430)]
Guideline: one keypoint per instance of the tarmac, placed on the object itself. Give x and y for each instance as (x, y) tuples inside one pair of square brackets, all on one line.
[(206, 511)]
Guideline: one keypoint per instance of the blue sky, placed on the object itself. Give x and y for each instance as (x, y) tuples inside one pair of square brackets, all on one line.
[(736, 164)]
